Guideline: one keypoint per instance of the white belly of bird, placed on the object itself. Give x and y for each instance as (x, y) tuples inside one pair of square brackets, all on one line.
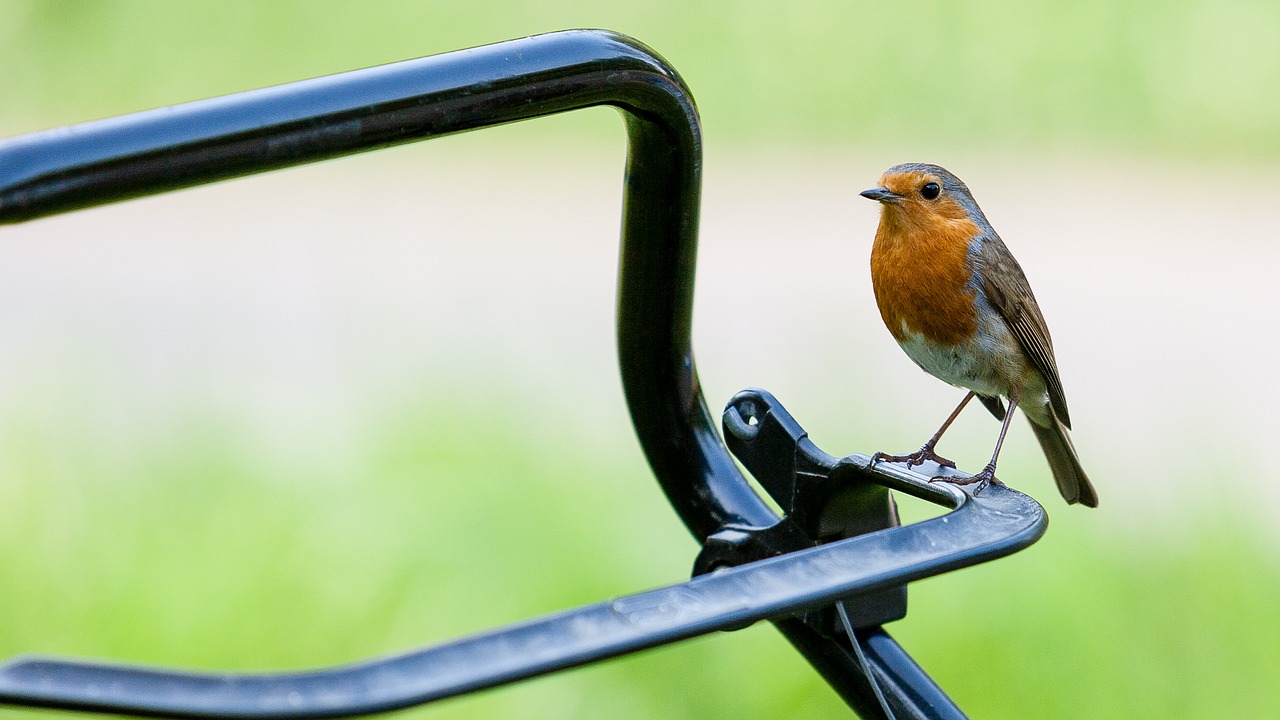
[(988, 363), (991, 363)]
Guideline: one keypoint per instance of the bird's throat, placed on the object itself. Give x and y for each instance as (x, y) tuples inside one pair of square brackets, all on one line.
[(921, 271)]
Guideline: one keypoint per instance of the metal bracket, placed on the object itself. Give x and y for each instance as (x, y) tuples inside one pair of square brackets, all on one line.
[(823, 499)]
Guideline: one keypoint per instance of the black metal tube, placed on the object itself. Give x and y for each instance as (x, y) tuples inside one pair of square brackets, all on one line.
[(910, 690), (200, 142)]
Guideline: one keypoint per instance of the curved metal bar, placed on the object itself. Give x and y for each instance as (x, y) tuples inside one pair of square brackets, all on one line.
[(997, 522), (156, 151), (151, 152)]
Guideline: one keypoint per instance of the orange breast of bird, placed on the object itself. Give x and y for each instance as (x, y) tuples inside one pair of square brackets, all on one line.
[(920, 271)]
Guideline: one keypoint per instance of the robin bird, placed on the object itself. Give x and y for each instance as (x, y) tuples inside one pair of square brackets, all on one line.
[(960, 306)]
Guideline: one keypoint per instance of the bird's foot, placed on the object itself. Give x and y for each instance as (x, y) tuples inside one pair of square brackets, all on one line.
[(919, 457), (984, 478)]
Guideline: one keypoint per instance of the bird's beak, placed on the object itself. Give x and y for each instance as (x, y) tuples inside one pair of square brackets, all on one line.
[(881, 194)]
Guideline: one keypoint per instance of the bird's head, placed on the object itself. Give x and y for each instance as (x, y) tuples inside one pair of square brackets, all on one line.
[(919, 193)]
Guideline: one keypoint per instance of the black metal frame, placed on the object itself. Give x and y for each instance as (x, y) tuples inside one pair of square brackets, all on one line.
[(834, 568)]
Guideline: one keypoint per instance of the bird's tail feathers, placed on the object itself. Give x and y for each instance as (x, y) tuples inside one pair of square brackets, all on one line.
[(1065, 464)]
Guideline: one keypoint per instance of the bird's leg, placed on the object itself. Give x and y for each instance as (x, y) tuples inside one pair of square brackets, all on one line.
[(988, 473), (926, 452)]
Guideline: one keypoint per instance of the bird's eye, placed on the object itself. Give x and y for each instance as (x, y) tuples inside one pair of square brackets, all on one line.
[(930, 191)]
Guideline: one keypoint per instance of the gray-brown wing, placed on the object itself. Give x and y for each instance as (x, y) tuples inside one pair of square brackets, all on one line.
[(1008, 290)]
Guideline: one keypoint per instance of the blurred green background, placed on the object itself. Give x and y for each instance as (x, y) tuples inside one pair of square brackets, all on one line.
[(363, 406)]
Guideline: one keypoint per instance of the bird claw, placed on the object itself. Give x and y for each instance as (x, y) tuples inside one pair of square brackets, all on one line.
[(982, 479), (919, 457)]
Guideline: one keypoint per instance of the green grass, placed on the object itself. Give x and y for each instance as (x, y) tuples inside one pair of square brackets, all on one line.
[(1179, 77), (1086, 624), (187, 546)]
